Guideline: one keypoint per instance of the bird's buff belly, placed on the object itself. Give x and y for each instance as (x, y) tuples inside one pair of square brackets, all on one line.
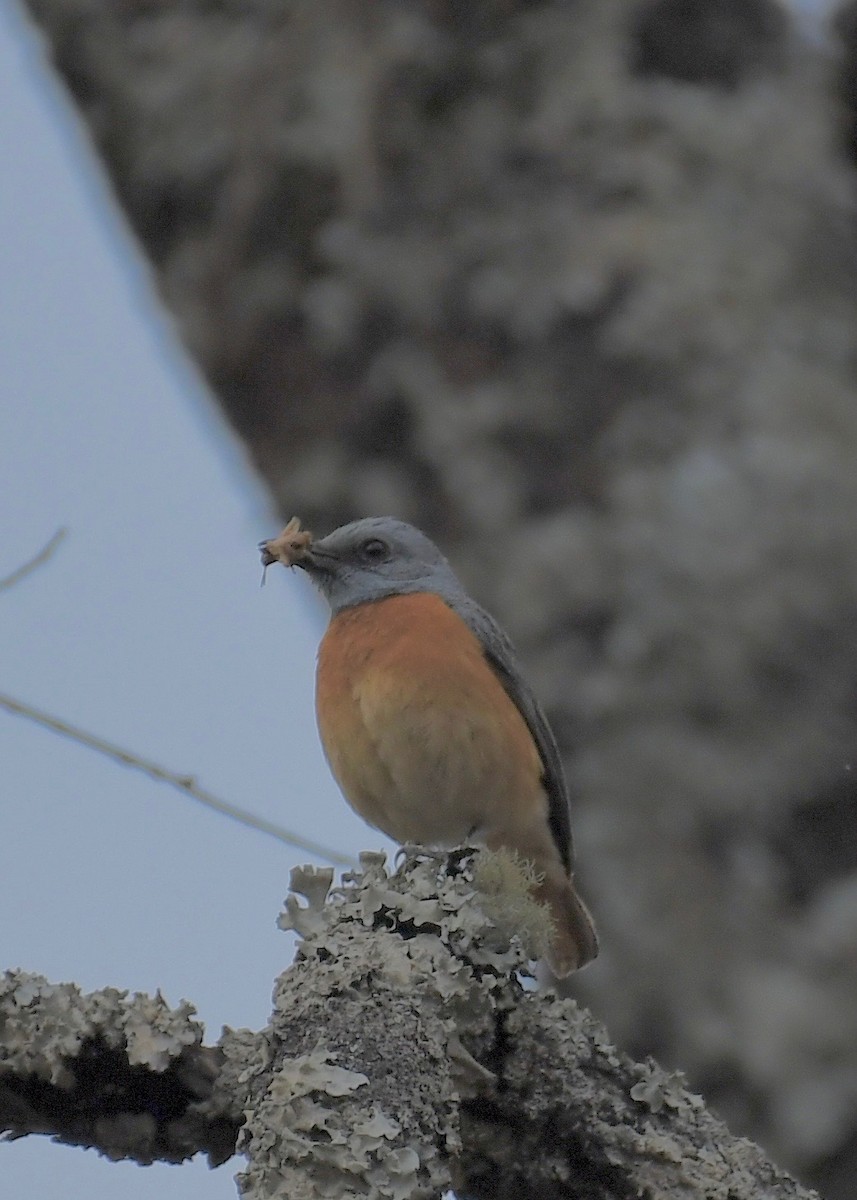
[(424, 742)]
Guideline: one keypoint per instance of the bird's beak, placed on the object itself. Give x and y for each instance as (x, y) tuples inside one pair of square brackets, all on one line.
[(315, 560), (305, 560)]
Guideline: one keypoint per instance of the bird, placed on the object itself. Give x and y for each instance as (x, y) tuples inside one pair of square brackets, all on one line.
[(426, 718)]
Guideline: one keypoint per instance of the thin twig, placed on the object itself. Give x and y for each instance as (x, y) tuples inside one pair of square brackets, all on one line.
[(36, 561), (184, 783)]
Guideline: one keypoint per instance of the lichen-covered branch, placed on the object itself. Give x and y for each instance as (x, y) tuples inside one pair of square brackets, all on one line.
[(403, 1057), (125, 1074), (407, 1057)]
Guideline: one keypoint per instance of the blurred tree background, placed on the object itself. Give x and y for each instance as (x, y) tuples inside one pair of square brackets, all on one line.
[(573, 286)]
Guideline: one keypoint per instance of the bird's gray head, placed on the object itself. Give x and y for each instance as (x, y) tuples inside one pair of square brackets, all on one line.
[(377, 557)]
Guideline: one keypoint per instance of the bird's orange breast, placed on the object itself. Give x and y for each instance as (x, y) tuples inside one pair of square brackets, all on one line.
[(421, 735)]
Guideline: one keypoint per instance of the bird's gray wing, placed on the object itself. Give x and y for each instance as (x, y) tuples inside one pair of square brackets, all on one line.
[(501, 655)]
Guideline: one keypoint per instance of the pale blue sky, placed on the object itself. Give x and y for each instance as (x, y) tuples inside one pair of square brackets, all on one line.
[(148, 627)]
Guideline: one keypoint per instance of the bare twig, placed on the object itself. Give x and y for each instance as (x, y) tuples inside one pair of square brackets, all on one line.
[(35, 562), (184, 783)]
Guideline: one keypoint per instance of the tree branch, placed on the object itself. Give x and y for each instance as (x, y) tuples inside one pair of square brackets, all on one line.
[(403, 1057), (182, 783), (32, 564), (126, 1075)]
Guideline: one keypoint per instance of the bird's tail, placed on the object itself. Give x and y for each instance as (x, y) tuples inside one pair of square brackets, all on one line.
[(574, 942)]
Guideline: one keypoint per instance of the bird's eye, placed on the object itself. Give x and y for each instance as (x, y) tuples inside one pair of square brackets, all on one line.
[(374, 550)]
